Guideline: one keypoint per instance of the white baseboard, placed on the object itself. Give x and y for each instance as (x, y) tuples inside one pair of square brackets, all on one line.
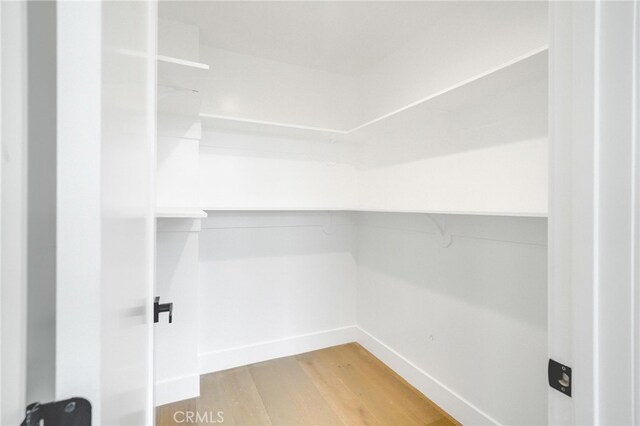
[(459, 408), (177, 389), (263, 351)]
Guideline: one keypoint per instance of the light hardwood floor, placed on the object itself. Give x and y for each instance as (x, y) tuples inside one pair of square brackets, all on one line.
[(342, 385)]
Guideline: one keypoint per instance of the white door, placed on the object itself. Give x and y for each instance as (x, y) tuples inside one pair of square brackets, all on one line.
[(105, 215)]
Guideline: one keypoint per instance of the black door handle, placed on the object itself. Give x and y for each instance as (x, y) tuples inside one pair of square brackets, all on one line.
[(158, 308)]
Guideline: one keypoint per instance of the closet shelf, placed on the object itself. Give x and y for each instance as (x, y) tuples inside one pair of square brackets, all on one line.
[(528, 67), (531, 66), (180, 212), (374, 210), (180, 85), (245, 125), (276, 209), (181, 74)]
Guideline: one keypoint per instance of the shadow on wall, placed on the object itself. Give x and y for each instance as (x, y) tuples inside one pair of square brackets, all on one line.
[(264, 145), (510, 116), (242, 235), (495, 262), (506, 117)]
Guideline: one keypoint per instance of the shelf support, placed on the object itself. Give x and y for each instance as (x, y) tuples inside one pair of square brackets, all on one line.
[(329, 226), (445, 239)]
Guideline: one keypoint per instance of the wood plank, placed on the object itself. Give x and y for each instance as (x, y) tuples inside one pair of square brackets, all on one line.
[(340, 385), (371, 395), (174, 413), (350, 409), (212, 398), (398, 390), (287, 397), (243, 399), (393, 379)]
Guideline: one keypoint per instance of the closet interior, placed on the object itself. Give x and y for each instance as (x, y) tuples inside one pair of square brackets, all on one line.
[(371, 172)]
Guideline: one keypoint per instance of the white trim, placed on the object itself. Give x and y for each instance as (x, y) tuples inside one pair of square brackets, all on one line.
[(152, 121), (593, 177), (13, 292), (177, 389), (250, 121), (272, 349), (454, 404), (180, 212), (184, 62), (78, 249), (636, 215)]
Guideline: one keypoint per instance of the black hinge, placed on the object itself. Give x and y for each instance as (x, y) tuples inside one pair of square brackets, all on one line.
[(70, 412), (560, 377)]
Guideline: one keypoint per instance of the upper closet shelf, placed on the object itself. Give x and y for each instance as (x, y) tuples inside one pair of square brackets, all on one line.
[(180, 212), (527, 68), (180, 85), (532, 66), (374, 210), (243, 125)]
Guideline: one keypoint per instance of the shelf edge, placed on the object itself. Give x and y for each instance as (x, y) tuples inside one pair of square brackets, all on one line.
[(373, 210), (451, 88), (185, 62)]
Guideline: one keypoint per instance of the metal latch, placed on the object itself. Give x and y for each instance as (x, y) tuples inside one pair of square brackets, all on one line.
[(70, 412), (560, 377)]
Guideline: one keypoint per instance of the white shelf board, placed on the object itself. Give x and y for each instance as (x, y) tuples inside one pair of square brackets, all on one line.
[(275, 209), (180, 85), (470, 212), (409, 121), (180, 212), (531, 66), (244, 125), (374, 210), (181, 74), (528, 67)]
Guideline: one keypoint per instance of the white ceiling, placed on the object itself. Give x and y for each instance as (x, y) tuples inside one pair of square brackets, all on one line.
[(343, 37)]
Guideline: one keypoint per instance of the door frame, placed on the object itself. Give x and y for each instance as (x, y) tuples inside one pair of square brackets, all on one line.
[(594, 210), (13, 211)]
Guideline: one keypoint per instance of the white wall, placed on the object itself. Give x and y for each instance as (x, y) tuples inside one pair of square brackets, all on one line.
[(466, 40), (489, 155), (259, 89), (176, 344), (471, 316), (255, 171), (177, 171), (274, 284), (178, 40)]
